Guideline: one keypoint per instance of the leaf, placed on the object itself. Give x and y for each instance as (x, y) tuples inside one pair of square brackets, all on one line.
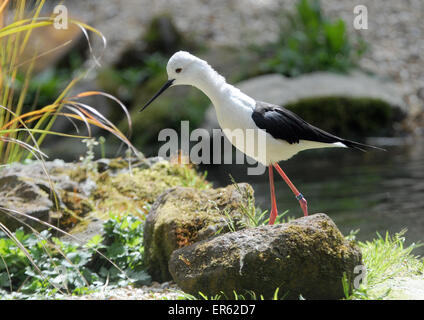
[(95, 241), (116, 250), (139, 277)]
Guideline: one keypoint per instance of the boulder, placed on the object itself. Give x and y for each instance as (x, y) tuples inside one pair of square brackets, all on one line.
[(182, 216), (307, 256)]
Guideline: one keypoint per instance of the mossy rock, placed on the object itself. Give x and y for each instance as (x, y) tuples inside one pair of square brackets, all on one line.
[(129, 191), (307, 256), (181, 216)]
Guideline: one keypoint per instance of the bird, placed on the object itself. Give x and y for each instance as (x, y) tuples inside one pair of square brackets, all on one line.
[(285, 133)]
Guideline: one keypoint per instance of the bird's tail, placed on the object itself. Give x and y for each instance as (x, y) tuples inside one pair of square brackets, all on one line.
[(359, 146)]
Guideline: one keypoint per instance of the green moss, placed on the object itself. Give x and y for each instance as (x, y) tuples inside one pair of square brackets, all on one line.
[(184, 216), (193, 212), (349, 117), (76, 208), (130, 192), (331, 241), (117, 164), (124, 192), (77, 174), (148, 184)]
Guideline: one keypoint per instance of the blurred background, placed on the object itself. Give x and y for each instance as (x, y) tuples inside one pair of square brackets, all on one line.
[(365, 84)]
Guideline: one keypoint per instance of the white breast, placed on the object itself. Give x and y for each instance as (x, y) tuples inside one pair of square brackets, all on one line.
[(234, 113), (235, 118)]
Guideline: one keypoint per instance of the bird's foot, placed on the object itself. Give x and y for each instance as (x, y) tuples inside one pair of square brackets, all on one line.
[(303, 204)]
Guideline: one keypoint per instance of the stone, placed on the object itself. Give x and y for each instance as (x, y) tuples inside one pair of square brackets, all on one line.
[(20, 198), (66, 194), (307, 256), (182, 216), (59, 198)]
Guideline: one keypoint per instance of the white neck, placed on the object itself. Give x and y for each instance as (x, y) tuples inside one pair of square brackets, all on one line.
[(212, 84), (219, 91)]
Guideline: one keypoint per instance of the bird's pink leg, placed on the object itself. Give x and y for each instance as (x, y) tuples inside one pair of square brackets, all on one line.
[(273, 214), (302, 201)]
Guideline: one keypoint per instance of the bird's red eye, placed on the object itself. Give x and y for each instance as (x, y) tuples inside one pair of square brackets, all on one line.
[(178, 70)]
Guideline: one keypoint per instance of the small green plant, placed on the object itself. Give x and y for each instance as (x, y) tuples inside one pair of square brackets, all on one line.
[(124, 246), (102, 141), (255, 215), (63, 267), (88, 160), (311, 42)]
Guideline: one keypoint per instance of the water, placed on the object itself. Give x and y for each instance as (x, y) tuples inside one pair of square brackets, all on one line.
[(374, 191)]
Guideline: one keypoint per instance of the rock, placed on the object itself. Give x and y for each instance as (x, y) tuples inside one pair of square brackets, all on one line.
[(94, 227), (23, 198), (143, 186), (182, 216), (73, 192), (307, 257), (26, 189), (349, 90), (400, 288)]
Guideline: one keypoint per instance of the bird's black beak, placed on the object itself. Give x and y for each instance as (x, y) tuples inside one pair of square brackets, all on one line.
[(161, 90)]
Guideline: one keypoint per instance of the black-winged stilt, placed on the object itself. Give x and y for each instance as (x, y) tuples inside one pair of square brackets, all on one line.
[(286, 133)]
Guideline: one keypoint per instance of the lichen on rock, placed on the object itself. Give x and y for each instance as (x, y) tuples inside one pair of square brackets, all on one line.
[(307, 256), (182, 216)]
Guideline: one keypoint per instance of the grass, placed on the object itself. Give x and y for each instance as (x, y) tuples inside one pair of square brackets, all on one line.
[(256, 216), (385, 259), (23, 128), (22, 131)]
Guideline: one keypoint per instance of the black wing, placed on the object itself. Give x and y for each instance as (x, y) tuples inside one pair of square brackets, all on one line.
[(285, 125)]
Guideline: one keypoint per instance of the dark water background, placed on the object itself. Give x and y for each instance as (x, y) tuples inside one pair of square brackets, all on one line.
[(374, 191)]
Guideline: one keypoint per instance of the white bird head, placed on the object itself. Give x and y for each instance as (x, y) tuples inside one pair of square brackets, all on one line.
[(183, 68)]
